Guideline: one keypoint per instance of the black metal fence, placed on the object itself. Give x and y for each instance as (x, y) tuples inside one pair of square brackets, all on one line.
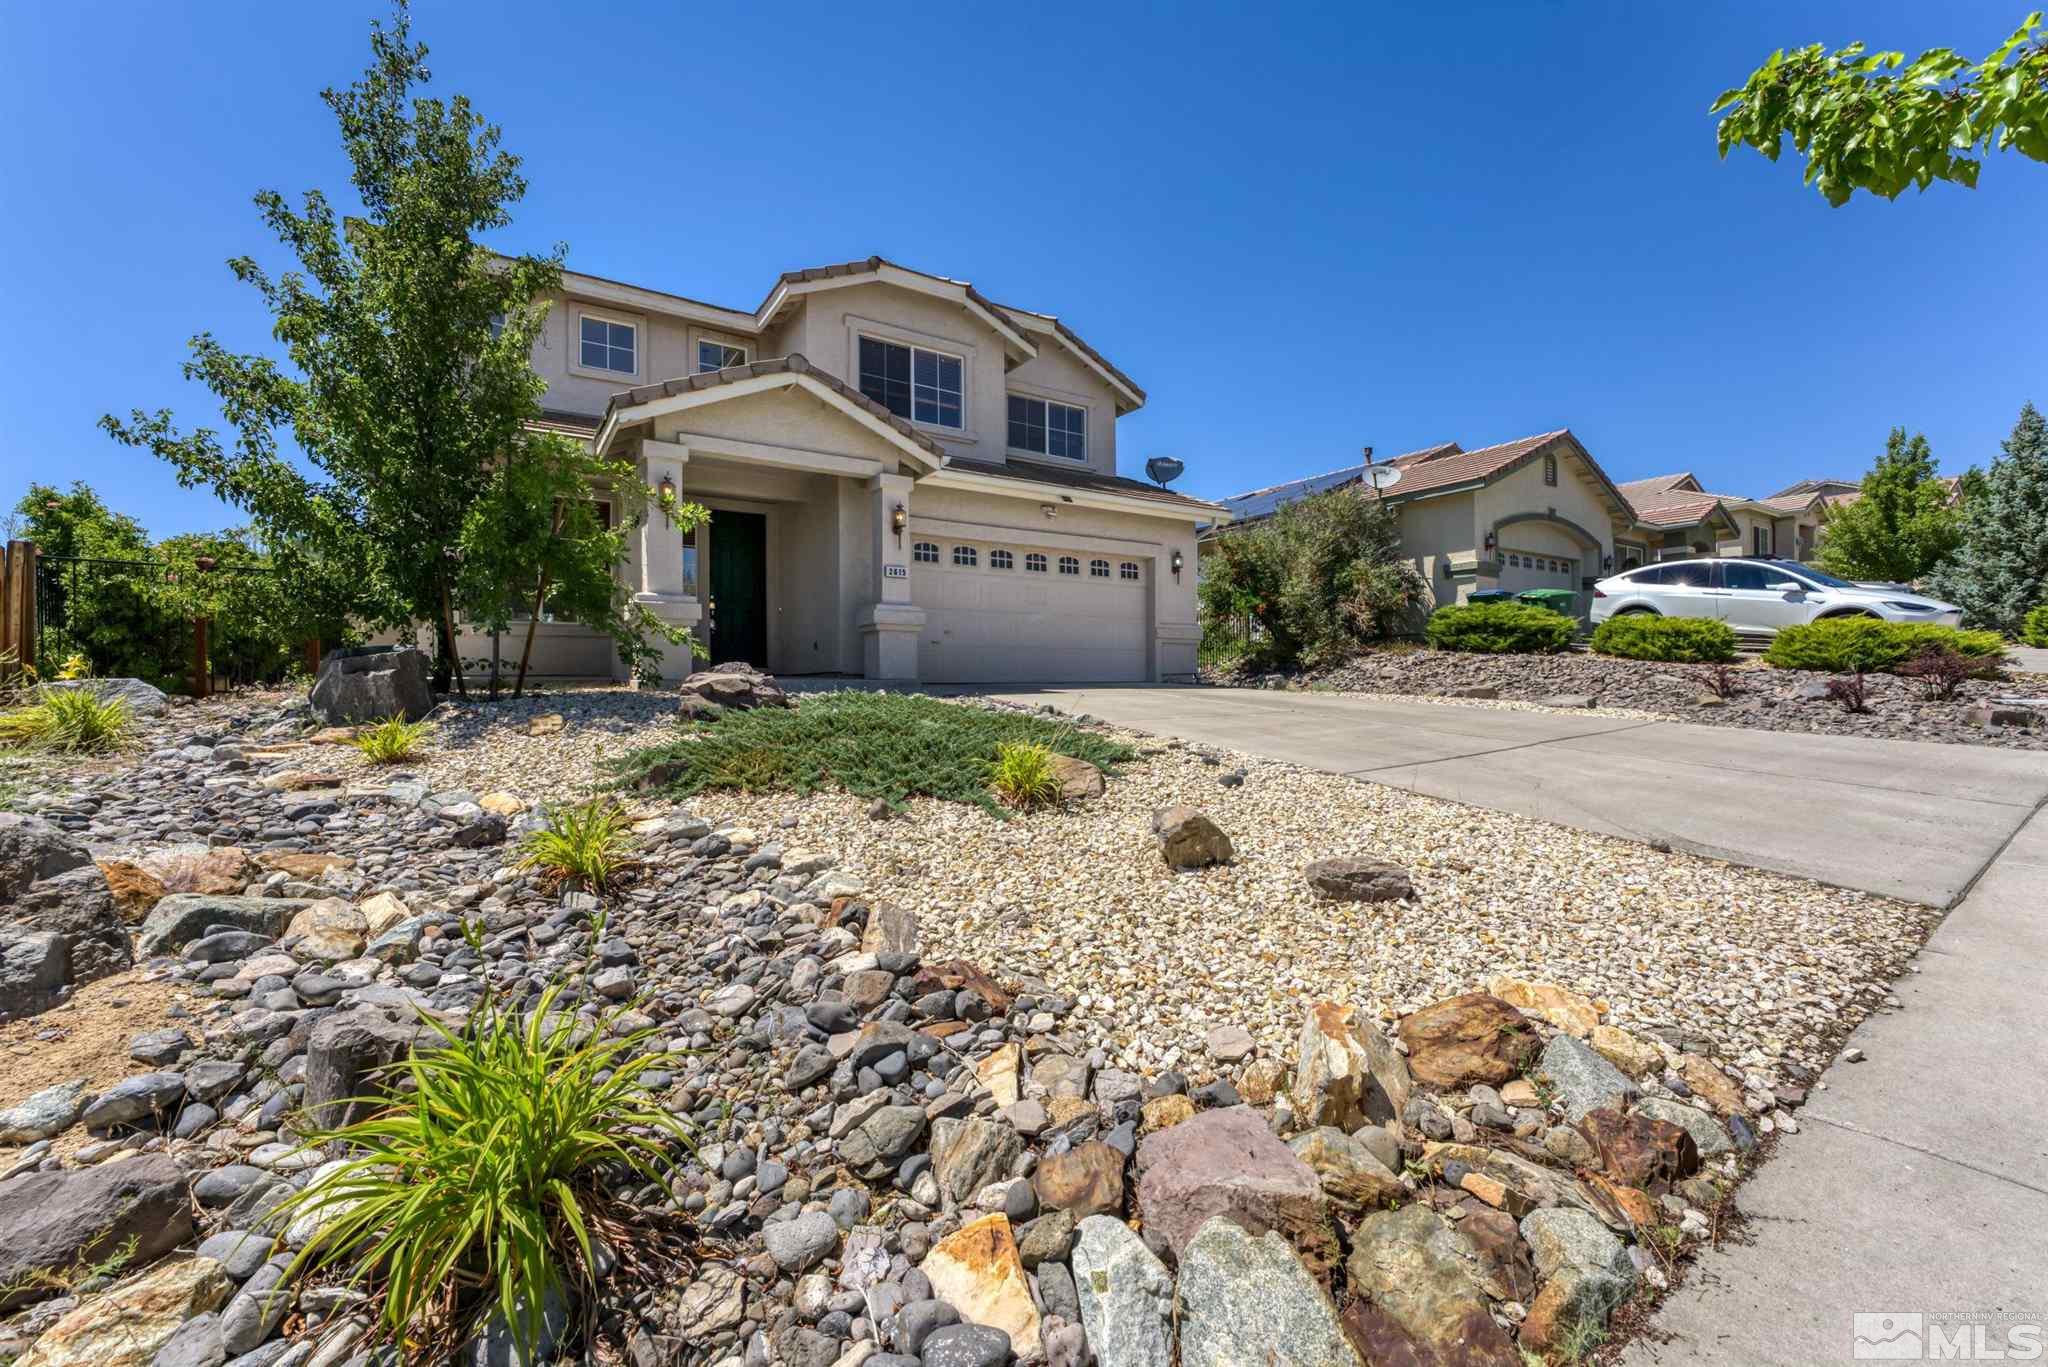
[(118, 616)]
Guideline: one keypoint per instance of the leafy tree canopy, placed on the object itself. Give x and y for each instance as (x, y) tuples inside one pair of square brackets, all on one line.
[(1901, 527), (1873, 121)]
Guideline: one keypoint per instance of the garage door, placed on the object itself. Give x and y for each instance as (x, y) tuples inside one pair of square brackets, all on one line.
[(1529, 570), (1017, 614)]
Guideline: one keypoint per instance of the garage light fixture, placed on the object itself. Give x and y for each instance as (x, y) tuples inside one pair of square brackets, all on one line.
[(1177, 562), (1492, 541), (899, 516)]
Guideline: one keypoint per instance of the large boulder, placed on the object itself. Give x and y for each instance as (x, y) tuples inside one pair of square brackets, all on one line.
[(144, 699), (1190, 840), (31, 849), (1468, 1039), (372, 685), (736, 685), (1249, 1300), (129, 1324), (51, 1221), (183, 917), (79, 906), (344, 1056), (1359, 880), (1640, 1150), (1227, 1162), (1346, 1073), (1417, 1273)]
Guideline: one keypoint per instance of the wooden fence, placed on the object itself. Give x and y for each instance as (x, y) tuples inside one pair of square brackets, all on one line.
[(17, 608)]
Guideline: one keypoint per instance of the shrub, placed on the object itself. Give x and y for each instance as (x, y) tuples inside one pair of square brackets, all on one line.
[(1021, 775), (2034, 628), (585, 844), (1309, 585), (1940, 672), (1849, 693), (1842, 644), (74, 720), (891, 746), (482, 1184), (1646, 636), (1500, 629), (393, 741), (1722, 681)]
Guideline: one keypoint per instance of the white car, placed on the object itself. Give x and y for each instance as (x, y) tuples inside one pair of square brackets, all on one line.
[(1759, 596)]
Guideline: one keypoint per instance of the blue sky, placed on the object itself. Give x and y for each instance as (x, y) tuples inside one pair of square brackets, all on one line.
[(1302, 229)]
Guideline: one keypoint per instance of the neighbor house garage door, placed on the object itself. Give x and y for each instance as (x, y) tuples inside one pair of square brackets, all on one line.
[(1528, 570), (998, 613)]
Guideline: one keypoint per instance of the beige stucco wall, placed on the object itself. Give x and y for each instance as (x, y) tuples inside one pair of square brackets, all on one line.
[(1433, 531)]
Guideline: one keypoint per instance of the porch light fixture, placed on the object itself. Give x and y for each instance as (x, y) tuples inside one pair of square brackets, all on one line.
[(667, 500), (899, 518), (1492, 541), (1177, 563)]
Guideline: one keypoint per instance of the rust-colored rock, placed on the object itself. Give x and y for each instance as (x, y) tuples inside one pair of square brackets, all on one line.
[(1375, 1337), (1079, 780), (1472, 1038), (1638, 1151), (1634, 1207), (1346, 1073), (1565, 1009), (978, 1272), (956, 974), (223, 870), (1087, 1179), (1712, 1086), (1506, 1272), (135, 888)]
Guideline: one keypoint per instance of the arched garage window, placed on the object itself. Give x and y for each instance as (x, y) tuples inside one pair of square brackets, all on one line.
[(1034, 563), (1098, 569), (925, 553), (1069, 565), (1001, 560), (1128, 570), (966, 556)]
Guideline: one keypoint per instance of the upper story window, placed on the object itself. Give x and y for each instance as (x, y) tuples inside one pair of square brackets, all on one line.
[(718, 356), (911, 382), (925, 552), (965, 556), (607, 345), (1048, 428), (1550, 470)]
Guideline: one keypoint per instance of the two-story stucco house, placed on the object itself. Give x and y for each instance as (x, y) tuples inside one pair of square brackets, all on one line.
[(1681, 519), (906, 480)]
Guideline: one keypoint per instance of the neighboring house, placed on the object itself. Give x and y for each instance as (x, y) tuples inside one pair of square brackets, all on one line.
[(1533, 513), (1681, 518), (907, 481)]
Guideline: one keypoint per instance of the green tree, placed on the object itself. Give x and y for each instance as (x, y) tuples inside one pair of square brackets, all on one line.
[(1873, 121), (1902, 526), (100, 607), (2000, 571), (1310, 584), (408, 380)]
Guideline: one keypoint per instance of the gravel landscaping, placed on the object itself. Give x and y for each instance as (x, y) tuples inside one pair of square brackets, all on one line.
[(1770, 699), (944, 1060)]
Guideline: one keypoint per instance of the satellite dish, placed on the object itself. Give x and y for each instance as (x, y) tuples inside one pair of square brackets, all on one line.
[(1383, 476), (1164, 470)]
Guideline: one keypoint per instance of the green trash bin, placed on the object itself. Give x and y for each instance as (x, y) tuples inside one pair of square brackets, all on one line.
[(1561, 601), (1490, 596)]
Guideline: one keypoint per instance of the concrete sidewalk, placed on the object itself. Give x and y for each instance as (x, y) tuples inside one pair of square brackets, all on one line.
[(1918, 1183), (1908, 819)]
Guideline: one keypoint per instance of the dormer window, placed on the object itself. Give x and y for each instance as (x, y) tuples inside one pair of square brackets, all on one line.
[(911, 382), (607, 345), (718, 356), (1045, 428)]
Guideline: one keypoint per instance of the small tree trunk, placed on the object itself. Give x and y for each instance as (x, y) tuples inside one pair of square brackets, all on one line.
[(448, 635), (540, 594)]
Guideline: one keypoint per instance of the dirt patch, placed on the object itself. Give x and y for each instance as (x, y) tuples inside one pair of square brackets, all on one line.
[(86, 1037)]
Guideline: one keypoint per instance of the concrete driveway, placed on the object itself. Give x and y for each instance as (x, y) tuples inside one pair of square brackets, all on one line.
[(1908, 819)]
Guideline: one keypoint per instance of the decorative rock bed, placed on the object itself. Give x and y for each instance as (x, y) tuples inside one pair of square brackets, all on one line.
[(919, 1139)]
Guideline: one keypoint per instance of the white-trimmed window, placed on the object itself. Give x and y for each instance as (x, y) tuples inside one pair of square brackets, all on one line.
[(1048, 428), (966, 556), (1098, 569), (1001, 560), (1034, 563), (911, 382), (606, 344), (925, 552), (718, 356), (1069, 565), (1128, 570)]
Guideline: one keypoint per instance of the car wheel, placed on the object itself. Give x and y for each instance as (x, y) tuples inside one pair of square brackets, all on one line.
[(1637, 612)]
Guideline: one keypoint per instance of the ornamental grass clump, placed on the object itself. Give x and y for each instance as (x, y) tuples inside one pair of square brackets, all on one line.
[(480, 1183), (588, 845), (392, 742), (1022, 775), (72, 720)]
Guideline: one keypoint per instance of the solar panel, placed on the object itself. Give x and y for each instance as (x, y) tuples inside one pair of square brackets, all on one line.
[(1263, 502)]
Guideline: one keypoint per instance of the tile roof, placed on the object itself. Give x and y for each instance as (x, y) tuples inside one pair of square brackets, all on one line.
[(1654, 485), (1425, 470), (567, 423), (1090, 480), (794, 364), (1678, 512), (1789, 503)]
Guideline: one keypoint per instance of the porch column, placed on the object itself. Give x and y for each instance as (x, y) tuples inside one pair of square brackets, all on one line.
[(663, 590), (889, 625)]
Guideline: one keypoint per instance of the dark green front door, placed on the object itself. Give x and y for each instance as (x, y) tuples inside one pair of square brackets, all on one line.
[(739, 588)]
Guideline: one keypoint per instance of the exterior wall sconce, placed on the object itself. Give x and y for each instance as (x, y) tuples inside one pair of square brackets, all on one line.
[(1177, 563), (1492, 541), (667, 499), (899, 518), (1606, 562)]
